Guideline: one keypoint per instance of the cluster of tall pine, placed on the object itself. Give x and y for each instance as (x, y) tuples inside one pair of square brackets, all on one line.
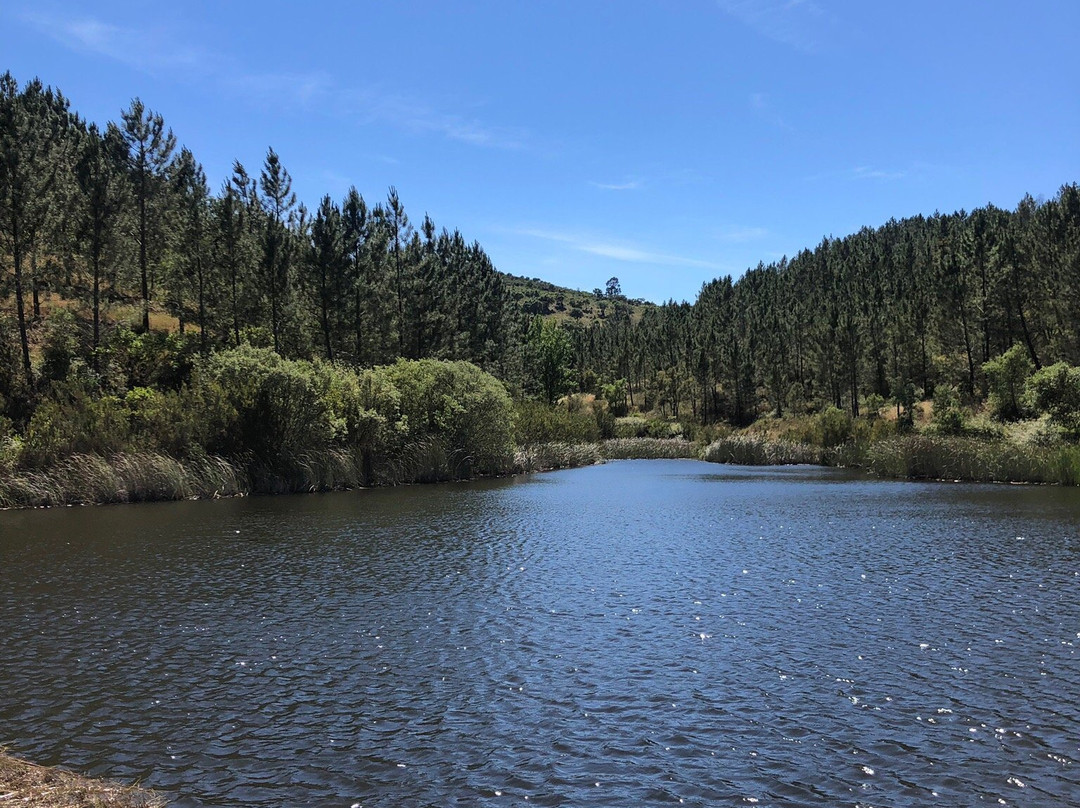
[(888, 313), (118, 217), (121, 216)]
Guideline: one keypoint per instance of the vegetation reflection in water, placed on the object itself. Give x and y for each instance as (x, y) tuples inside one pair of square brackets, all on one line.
[(634, 633)]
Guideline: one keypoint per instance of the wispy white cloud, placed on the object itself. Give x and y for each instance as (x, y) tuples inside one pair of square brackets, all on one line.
[(798, 23), (289, 89), (626, 185), (143, 49), (739, 234), (864, 172), (869, 173), (418, 116), (617, 251), (154, 50)]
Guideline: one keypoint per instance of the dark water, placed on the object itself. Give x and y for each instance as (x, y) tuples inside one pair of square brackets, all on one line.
[(641, 633)]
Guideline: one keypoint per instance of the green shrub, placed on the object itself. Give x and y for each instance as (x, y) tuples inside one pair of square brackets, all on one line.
[(835, 426), (278, 410), (460, 413), (1006, 377), (154, 359), (71, 421), (61, 345), (1055, 390), (537, 423)]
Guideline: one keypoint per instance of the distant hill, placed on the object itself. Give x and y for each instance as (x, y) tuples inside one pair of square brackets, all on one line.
[(535, 296)]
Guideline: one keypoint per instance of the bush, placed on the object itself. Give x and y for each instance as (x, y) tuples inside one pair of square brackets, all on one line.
[(154, 359), (1055, 390), (537, 423), (461, 415), (277, 406), (1006, 378), (71, 421), (61, 345), (835, 426)]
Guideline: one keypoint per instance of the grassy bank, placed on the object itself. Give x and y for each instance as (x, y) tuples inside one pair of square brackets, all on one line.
[(91, 479), (914, 456), (32, 786), (961, 458)]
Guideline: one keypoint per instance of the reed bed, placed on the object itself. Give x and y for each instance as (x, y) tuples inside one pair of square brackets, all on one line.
[(959, 458), (137, 477), (749, 450), (27, 784), (648, 449), (556, 455)]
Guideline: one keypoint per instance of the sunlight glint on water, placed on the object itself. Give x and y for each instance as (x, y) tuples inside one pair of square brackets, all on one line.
[(662, 632)]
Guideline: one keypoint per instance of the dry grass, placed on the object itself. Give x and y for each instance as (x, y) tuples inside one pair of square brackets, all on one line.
[(749, 450), (649, 449), (556, 455), (27, 784)]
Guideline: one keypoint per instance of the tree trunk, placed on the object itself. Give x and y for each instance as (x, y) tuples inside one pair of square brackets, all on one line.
[(20, 313)]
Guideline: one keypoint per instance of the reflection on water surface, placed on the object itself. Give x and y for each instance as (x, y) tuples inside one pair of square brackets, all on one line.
[(638, 633)]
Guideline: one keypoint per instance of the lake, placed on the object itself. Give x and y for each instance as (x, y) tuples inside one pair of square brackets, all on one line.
[(638, 633)]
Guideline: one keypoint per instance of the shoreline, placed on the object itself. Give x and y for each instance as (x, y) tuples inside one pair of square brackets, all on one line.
[(149, 477), (31, 785), (121, 479)]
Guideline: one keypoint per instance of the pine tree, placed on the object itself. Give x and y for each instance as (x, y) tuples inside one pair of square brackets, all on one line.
[(33, 128), (279, 206), (103, 186), (150, 146)]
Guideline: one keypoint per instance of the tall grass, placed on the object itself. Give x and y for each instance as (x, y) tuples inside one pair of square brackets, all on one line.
[(749, 450), (89, 478), (556, 455), (960, 458), (648, 449)]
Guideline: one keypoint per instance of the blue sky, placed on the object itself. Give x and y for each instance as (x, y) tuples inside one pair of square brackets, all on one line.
[(663, 142)]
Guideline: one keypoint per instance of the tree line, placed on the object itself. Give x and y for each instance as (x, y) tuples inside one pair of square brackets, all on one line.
[(886, 314), (122, 216)]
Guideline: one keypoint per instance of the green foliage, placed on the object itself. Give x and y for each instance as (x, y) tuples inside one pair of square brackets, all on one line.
[(873, 404), (637, 426), (964, 458), (152, 359), (748, 450), (462, 412), (615, 394), (1056, 390), (835, 426), (904, 398), (61, 345), (949, 419), (277, 402), (538, 423), (549, 358), (648, 449), (73, 421), (1006, 377)]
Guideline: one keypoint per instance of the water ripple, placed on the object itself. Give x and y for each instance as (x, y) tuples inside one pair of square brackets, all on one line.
[(637, 633)]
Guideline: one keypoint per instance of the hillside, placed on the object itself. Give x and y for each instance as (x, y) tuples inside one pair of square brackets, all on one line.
[(535, 296)]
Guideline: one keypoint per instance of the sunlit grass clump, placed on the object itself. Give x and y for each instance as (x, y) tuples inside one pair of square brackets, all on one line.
[(959, 458), (750, 450), (648, 449)]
